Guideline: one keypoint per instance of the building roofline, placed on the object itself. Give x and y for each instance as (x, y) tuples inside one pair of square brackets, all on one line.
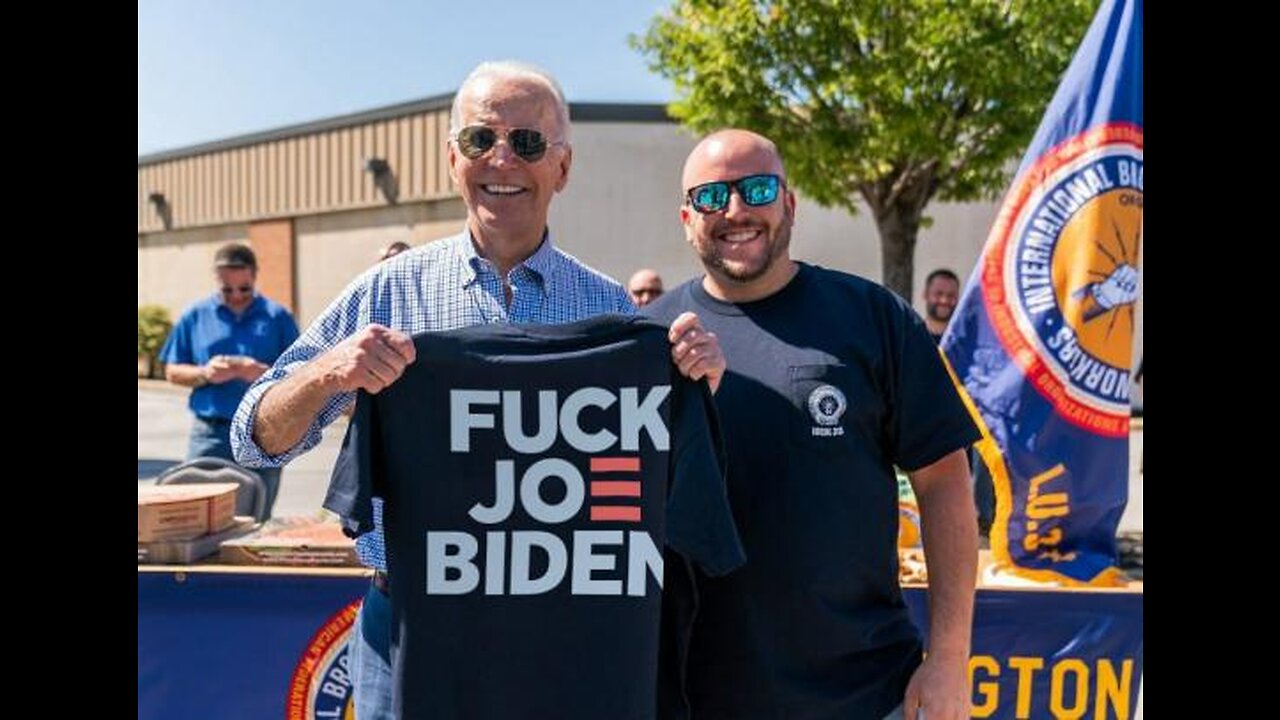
[(578, 112)]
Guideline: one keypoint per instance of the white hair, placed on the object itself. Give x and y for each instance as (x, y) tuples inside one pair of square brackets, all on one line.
[(511, 69)]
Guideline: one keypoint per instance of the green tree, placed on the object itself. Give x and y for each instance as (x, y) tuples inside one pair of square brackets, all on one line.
[(895, 102)]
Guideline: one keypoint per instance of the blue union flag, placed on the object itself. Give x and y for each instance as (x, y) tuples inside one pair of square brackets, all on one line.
[(1042, 337)]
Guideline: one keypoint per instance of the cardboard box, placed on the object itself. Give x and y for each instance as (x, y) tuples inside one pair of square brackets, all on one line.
[(183, 552), (297, 541), (185, 512)]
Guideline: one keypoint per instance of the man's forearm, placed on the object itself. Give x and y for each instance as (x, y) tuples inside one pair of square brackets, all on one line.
[(950, 533), (191, 376), (289, 407)]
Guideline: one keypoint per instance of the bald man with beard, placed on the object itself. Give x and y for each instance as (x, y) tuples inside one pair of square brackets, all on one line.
[(831, 381)]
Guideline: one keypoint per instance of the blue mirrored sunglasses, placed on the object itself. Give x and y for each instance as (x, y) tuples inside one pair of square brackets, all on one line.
[(755, 190)]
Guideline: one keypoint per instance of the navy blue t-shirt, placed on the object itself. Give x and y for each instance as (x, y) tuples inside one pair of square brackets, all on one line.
[(533, 476), (830, 383)]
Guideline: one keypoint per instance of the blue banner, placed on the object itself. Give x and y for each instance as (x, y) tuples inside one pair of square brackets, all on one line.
[(270, 646), (244, 646), (1059, 654), (1041, 340)]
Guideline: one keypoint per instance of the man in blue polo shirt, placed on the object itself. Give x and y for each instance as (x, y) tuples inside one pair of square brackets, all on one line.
[(220, 345)]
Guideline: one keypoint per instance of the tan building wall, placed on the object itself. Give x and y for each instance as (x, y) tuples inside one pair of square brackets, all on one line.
[(278, 174), (334, 249), (175, 269), (618, 213), (619, 210)]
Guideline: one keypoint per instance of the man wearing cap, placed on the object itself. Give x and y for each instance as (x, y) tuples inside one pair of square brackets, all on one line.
[(221, 344)]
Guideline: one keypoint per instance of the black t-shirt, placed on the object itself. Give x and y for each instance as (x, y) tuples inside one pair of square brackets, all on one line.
[(533, 476), (830, 383)]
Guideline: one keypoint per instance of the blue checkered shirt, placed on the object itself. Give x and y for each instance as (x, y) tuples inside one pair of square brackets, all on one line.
[(443, 285)]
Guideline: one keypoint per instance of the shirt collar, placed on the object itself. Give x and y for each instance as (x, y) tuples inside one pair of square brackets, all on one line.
[(541, 264), (221, 306)]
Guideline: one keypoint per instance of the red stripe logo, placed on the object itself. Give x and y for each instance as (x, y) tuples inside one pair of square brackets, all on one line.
[(600, 488), (606, 513), (615, 489), (615, 464)]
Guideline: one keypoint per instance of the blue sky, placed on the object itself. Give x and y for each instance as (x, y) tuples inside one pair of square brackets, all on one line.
[(212, 69)]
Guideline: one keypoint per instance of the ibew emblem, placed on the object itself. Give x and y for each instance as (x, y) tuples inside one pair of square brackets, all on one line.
[(827, 405)]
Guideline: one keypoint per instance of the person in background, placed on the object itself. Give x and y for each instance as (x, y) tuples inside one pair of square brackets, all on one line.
[(219, 346), (644, 287), (392, 250), (941, 293)]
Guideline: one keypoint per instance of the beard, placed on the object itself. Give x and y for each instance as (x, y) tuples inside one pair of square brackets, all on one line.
[(939, 312), (747, 270)]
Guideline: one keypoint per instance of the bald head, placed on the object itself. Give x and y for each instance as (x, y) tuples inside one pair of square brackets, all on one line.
[(645, 286), (727, 154), (743, 233)]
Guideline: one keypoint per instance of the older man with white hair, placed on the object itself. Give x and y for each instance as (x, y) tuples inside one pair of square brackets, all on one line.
[(509, 154)]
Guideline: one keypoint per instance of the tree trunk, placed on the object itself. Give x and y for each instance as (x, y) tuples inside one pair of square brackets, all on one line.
[(898, 225), (897, 203)]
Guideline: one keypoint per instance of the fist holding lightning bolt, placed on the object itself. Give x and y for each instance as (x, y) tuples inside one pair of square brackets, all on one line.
[(1120, 288)]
